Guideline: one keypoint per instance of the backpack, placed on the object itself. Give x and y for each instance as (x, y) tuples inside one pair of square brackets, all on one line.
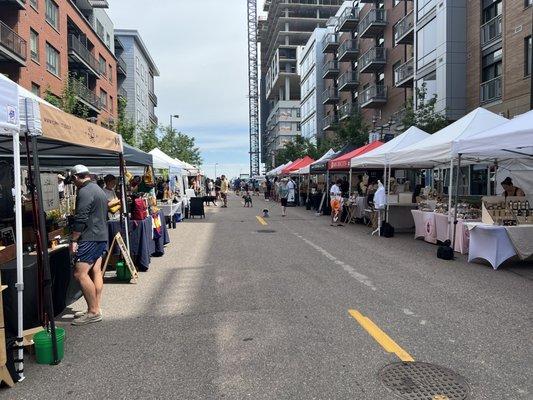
[(445, 252), (387, 230)]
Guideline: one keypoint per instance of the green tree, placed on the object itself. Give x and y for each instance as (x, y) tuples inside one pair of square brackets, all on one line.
[(297, 148), (126, 127), (69, 101), (148, 139), (424, 115), (179, 145), (353, 131)]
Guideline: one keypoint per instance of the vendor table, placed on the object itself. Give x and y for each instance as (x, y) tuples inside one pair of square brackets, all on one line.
[(400, 217), (497, 244), (143, 242), (65, 290), (434, 227)]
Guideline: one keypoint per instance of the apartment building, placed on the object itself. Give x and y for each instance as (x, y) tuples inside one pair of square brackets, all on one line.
[(43, 42), (289, 24), (499, 55), (312, 86), (137, 78)]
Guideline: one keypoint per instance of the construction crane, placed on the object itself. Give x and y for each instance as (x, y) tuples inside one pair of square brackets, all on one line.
[(253, 88)]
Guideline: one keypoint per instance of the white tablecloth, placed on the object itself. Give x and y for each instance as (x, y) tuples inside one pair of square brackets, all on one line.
[(170, 209), (490, 243)]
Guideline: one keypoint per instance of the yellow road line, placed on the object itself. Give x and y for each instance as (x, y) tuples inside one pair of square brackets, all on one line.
[(381, 337), (261, 220)]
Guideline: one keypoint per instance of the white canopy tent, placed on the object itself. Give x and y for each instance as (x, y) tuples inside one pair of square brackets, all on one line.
[(437, 149), (175, 168), (306, 170), (278, 169)]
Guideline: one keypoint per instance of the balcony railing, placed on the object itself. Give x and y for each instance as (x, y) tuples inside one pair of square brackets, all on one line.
[(122, 66), (75, 46), (348, 81), (13, 43), (153, 97), (123, 92), (491, 30), (86, 94), (348, 20), (153, 117), (403, 75), (331, 69), (347, 110), (330, 96), (372, 23), (374, 96), (373, 60), (491, 90), (404, 30), (330, 43), (329, 121), (348, 50)]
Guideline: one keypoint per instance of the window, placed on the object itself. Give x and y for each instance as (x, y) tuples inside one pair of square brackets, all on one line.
[(111, 103), (527, 56), (52, 14), (424, 7), (430, 81), (100, 29), (110, 69), (527, 3), (52, 60), (137, 64), (427, 43), (491, 9), (34, 45), (396, 2), (108, 40), (102, 65), (34, 4), (492, 65), (394, 68), (103, 98), (35, 89), (138, 92)]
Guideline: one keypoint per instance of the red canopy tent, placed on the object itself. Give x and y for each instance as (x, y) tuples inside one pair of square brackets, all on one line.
[(343, 162), (295, 166)]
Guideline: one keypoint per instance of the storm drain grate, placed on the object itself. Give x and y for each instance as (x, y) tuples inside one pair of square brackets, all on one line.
[(266, 231), (423, 381)]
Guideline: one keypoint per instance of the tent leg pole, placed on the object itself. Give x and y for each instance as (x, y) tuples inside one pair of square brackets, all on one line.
[(350, 183), (124, 212), (47, 279), (388, 193), (450, 190), (19, 360), (456, 200), (495, 176)]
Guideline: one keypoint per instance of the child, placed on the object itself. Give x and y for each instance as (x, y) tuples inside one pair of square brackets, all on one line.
[(247, 200)]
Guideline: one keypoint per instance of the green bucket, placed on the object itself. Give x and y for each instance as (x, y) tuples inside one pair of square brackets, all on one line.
[(123, 272), (43, 346)]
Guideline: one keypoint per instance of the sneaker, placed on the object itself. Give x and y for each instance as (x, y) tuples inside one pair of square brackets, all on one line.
[(79, 314), (87, 319)]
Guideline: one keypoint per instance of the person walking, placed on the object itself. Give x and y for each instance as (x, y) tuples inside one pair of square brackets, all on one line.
[(217, 187), (283, 195), (89, 242), (268, 189), (335, 194), (224, 189)]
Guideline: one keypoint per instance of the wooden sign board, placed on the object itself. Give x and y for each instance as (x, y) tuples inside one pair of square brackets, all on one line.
[(117, 240)]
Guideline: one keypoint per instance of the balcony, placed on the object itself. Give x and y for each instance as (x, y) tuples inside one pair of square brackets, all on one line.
[(153, 118), (373, 60), (491, 90), (404, 30), (348, 50), (152, 96), (123, 93), (86, 96), (122, 68), (80, 55), (347, 110), (373, 97), (329, 121), (330, 96), (491, 31), (12, 46), (348, 81), (330, 43), (20, 4), (404, 74), (331, 69), (373, 23), (348, 20)]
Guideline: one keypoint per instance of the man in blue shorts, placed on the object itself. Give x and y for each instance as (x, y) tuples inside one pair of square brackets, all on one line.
[(89, 242)]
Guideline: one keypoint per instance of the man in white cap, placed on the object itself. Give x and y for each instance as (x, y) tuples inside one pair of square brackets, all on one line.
[(89, 242)]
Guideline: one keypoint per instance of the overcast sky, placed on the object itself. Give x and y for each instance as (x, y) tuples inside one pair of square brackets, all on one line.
[(200, 48)]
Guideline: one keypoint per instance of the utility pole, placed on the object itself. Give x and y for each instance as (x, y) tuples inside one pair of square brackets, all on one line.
[(253, 88)]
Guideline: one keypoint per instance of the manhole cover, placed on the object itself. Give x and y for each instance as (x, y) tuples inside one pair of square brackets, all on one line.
[(423, 381), (266, 231)]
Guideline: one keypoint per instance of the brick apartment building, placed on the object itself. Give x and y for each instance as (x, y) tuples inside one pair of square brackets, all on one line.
[(499, 55), (43, 41)]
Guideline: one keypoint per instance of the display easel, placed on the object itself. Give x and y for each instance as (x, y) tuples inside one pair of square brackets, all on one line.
[(117, 240), (4, 373)]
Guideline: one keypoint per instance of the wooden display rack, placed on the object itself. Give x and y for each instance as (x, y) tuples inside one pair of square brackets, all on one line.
[(117, 240)]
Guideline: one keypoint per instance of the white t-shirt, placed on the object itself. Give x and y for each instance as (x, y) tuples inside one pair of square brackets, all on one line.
[(335, 192)]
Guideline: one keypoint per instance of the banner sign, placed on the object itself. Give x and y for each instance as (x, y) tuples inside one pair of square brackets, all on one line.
[(9, 110)]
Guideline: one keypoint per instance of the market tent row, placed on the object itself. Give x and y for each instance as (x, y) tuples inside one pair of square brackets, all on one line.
[(297, 165), (306, 169), (177, 176), (276, 171), (343, 162)]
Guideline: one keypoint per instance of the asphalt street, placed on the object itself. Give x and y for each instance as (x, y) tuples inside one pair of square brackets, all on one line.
[(292, 308)]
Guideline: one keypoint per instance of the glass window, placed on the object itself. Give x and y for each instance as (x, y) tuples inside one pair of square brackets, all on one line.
[(34, 45), (431, 85), (34, 4), (491, 10), (111, 102), (110, 69), (527, 3), (527, 56), (52, 14), (396, 2), (103, 98), (102, 65), (52, 60), (100, 29), (35, 89), (424, 7), (108, 40), (491, 65), (427, 44)]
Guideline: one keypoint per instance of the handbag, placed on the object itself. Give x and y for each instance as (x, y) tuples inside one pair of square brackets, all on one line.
[(387, 230), (139, 209)]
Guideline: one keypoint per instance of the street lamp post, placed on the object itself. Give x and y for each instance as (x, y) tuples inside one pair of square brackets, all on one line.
[(171, 117), (216, 164)]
